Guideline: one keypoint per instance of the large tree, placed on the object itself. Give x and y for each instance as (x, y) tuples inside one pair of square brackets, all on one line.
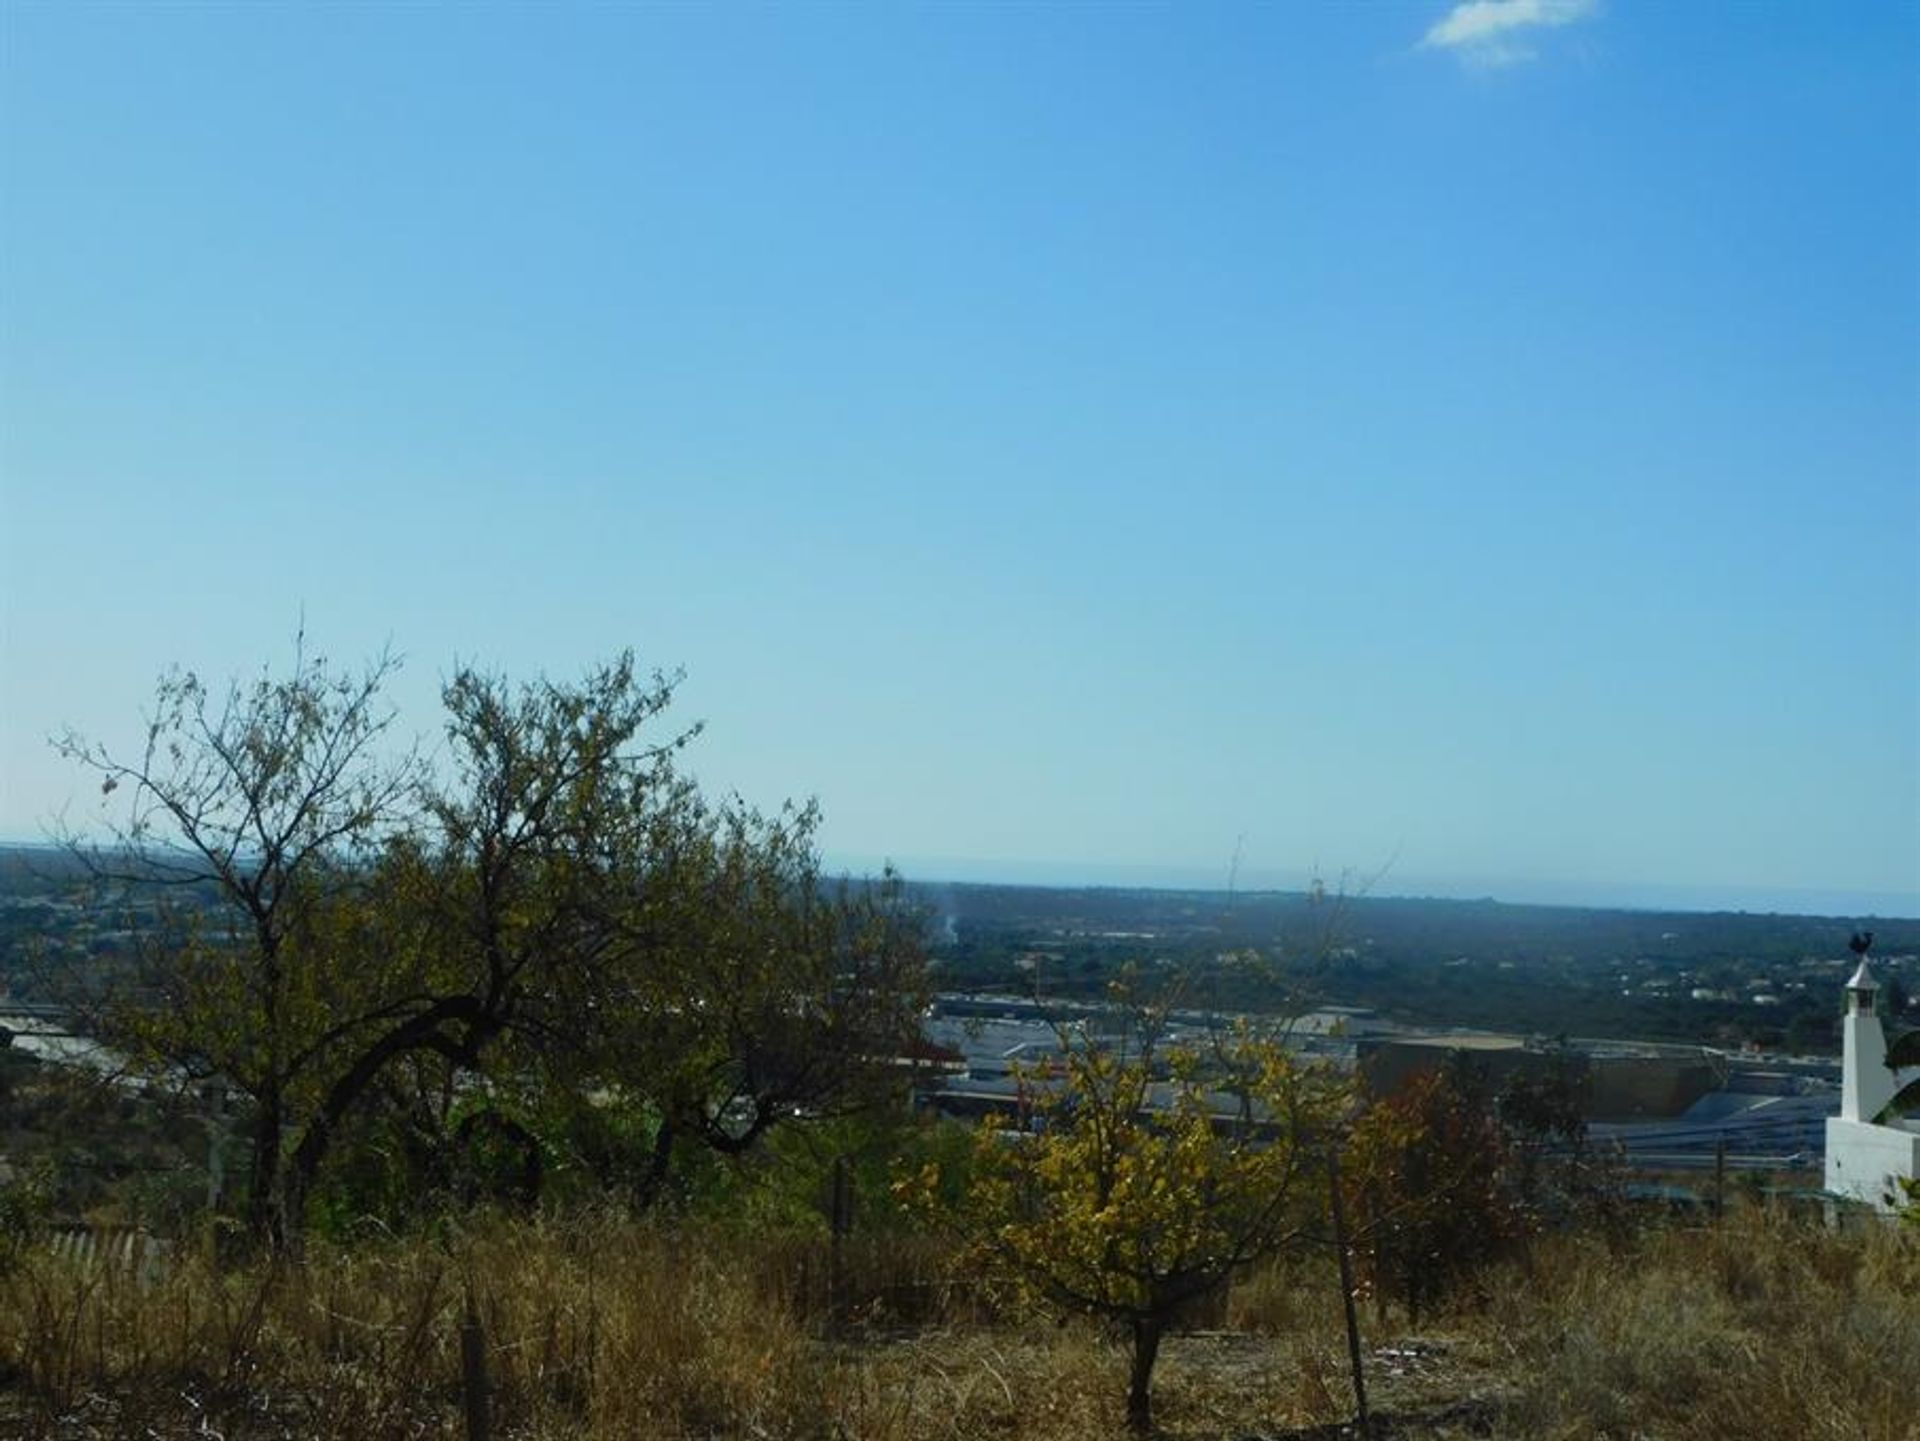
[(316, 907)]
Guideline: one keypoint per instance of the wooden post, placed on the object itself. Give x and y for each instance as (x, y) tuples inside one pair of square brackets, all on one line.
[(841, 1220), (475, 1393), (1346, 1289), (216, 1098), (1719, 1178)]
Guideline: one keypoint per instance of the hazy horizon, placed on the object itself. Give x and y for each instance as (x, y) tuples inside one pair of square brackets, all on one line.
[(934, 872)]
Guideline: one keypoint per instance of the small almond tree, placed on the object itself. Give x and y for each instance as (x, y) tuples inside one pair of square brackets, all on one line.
[(1145, 1174), (1428, 1171)]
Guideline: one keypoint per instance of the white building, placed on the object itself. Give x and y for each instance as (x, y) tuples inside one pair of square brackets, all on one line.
[(1863, 1157)]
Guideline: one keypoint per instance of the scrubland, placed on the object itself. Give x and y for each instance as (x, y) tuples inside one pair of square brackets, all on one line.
[(1762, 1326)]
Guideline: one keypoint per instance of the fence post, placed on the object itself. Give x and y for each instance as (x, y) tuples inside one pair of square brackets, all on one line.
[(842, 1223), (214, 1093), (475, 1393)]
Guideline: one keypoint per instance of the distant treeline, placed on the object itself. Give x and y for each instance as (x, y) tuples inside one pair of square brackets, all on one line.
[(1539, 969)]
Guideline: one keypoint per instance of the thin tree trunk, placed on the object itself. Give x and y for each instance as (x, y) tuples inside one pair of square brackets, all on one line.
[(1146, 1350), (1346, 1289)]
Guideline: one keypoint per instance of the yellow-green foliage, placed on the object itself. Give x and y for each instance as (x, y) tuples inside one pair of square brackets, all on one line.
[(1140, 1179), (1127, 1193)]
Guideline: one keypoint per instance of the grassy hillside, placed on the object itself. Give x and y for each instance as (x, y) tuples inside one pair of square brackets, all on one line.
[(1764, 1327)]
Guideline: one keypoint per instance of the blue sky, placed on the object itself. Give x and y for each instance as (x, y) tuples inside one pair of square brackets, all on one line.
[(1071, 441)]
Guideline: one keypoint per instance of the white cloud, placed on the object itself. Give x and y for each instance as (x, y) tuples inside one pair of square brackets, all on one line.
[(1493, 32)]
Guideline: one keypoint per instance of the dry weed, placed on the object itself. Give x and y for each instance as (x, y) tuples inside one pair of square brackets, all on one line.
[(1763, 1328)]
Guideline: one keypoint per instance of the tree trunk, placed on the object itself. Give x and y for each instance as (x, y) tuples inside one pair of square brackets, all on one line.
[(422, 1032), (1146, 1350), (654, 1180), (295, 1185)]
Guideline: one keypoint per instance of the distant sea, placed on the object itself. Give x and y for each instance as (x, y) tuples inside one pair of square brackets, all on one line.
[(1763, 900)]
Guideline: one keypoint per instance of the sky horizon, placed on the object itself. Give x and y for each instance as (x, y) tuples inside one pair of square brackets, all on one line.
[(1478, 440)]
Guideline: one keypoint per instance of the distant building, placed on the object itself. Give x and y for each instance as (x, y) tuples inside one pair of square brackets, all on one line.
[(1613, 1082), (1865, 1156)]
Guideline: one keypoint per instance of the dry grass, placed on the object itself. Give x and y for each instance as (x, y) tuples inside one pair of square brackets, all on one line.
[(1763, 1329)]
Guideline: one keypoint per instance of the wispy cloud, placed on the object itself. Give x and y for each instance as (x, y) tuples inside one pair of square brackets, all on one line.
[(1496, 32)]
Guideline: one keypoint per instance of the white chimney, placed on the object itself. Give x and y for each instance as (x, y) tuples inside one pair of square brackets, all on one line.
[(1866, 1084)]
